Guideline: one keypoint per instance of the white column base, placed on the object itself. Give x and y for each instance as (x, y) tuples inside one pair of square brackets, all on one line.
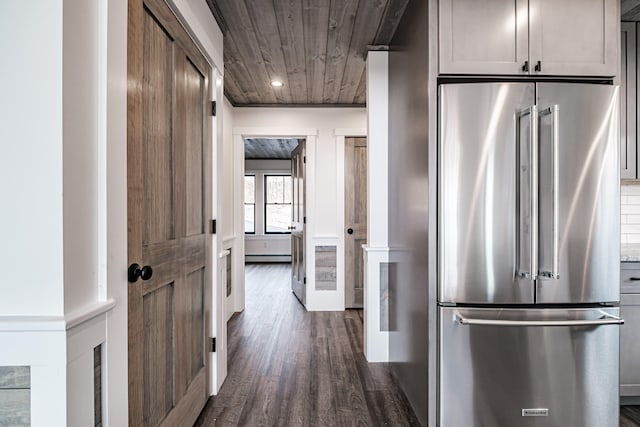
[(376, 337)]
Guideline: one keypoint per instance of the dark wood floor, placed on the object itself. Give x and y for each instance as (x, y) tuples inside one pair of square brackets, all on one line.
[(630, 416), (290, 367)]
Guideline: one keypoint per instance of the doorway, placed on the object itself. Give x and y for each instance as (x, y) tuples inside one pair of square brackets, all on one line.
[(271, 188)]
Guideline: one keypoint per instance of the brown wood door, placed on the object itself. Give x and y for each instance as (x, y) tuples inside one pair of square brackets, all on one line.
[(355, 219), (169, 184), (298, 274)]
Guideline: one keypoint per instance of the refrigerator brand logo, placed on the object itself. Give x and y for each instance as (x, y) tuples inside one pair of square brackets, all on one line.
[(535, 412)]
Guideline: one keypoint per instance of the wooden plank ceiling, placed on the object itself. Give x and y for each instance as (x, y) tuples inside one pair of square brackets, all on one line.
[(630, 10), (317, 48), (269, 148)]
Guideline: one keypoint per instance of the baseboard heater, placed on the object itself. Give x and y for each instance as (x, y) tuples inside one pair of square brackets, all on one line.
[(267, 258)]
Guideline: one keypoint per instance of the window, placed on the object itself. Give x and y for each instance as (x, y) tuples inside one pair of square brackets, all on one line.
[(250, 204), (277, 191)]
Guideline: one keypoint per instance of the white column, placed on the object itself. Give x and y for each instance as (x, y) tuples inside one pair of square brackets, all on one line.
[(376, 337)]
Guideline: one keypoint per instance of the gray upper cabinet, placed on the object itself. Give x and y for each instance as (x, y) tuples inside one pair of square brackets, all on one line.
[(628, 148), (483, 37), (529, 37)]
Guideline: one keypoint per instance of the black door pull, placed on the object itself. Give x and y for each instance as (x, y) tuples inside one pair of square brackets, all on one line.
[(538, 67), (136, 272), (350, 230)]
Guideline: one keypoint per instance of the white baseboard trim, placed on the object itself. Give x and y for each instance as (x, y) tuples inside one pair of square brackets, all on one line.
[(267, 258)]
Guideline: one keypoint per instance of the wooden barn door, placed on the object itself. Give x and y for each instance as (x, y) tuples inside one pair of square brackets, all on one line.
[(169, 183)]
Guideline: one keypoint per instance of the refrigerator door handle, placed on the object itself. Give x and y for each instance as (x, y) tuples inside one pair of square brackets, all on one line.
[(554, 112), (606, 319), (532, 112)]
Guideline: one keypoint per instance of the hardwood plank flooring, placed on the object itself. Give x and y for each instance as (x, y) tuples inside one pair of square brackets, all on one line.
[(630, 416), (291, 367)]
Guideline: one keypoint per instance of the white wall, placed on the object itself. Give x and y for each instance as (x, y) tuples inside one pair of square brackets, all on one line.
[(81, 107), (326, 121), (324, 129), (232, 223), (31, 252), (229, 169)]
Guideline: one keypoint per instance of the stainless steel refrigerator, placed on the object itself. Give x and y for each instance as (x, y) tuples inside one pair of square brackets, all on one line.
[(529, 254)]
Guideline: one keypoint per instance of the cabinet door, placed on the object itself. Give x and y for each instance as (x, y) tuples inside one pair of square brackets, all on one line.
[(630, 345), (574, 37), (483, 36), (628, 163)]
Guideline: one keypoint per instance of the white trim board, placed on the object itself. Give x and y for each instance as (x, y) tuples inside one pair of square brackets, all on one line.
[(350, 132), (273, 132)]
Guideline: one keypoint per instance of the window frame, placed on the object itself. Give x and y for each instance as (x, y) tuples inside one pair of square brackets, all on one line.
[(265, 203), (244, 204)]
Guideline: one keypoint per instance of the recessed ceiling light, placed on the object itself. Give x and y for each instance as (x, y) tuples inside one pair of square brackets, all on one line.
[(276, 83)]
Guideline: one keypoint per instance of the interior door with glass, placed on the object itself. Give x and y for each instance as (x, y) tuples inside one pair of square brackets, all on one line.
[(298, 223)]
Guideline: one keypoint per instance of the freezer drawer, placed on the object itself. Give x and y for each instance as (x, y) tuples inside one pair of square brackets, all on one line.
[(560, 369)]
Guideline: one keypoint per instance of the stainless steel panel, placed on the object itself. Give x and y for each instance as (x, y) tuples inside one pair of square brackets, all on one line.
[(412, 184), (630, 345), (588, 194), (494, 375), (478, 204)]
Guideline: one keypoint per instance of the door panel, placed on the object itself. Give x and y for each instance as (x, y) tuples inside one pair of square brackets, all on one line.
[(167, 206), (574, 37), (157, 107), (588, 194), (483, 37), (495, 372), (298, 268), (478, 193), (158, 350), (355, 178), (192, 103)]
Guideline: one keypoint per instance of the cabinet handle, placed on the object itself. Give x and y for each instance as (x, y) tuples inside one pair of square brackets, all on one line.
[(525, 67), (538, 67), (634, 279)]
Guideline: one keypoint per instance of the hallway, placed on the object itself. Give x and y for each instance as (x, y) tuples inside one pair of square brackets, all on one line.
[(290, 367)]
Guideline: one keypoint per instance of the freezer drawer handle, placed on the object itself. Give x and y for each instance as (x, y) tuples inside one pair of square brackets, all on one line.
[(606, 319)]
